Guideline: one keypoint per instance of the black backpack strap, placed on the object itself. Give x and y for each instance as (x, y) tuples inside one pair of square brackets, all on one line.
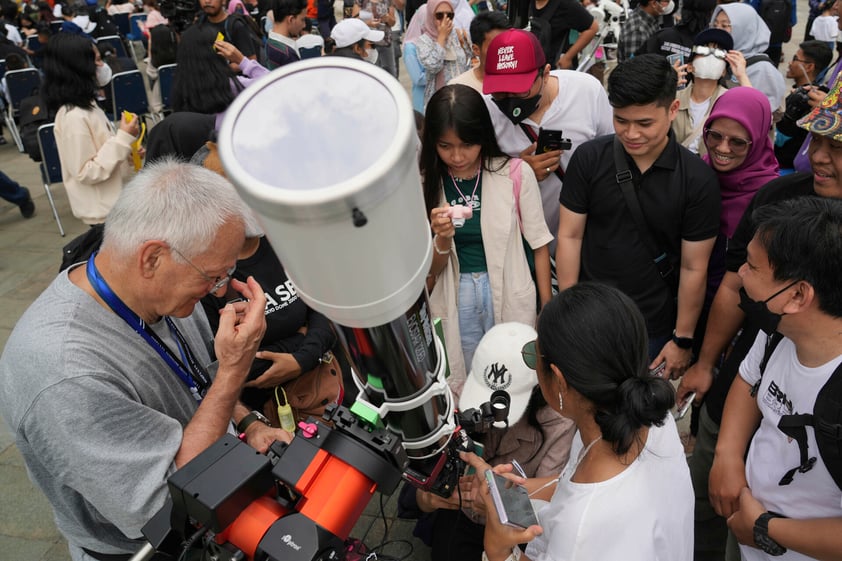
[(757, 58), (772, 342), (624, 180), (794, 426)]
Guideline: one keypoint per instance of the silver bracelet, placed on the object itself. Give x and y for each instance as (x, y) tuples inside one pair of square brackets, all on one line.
[(436, 246)]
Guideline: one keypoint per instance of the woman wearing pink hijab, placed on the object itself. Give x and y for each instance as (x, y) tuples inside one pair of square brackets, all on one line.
[(444, 52), (739, 149)]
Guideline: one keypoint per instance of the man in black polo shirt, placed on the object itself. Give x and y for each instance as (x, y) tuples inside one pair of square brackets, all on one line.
[(726, 317), (234, 29), (598, 237)]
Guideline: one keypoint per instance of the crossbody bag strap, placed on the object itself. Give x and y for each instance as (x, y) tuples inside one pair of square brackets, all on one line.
[(624, 180), (530, 134)]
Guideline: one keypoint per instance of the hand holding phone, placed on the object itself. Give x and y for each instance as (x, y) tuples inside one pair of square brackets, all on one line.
[(514, 508), (683, 408)]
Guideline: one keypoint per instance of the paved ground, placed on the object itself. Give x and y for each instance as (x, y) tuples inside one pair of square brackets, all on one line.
[(29, 257)]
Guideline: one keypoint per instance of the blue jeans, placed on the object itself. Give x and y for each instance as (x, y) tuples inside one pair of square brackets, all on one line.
[(476, 313), (12, 191)]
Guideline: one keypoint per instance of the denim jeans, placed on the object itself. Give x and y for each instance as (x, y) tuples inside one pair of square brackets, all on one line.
[(476, 313)]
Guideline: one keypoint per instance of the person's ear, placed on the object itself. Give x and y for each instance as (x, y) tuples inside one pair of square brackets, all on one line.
[(151, 256), (801, 299), (476, 50)]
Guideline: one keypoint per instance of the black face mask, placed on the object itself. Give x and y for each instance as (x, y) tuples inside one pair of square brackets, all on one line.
[(759, 313), (518, 108)]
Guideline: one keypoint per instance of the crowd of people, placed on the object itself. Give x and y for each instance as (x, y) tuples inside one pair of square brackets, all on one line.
[(673, 235)]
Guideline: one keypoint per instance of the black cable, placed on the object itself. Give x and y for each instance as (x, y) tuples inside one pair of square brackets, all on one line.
[(190, 542)]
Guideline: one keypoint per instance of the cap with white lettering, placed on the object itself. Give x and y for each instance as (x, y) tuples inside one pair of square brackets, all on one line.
[(513, 60)]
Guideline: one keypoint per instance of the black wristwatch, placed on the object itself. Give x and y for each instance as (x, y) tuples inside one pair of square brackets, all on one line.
[(682, 342), (252, 417), (761, 534)]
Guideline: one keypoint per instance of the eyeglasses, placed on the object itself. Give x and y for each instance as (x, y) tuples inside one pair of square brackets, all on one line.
[(530, 355), (801, 60), (218, 282), (738, 145), (441, 15), (704, 51)]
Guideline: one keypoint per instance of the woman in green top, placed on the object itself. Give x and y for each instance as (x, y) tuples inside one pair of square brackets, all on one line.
[(482, 207)]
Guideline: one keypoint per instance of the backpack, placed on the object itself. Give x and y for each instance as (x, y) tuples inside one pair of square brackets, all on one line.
[(541, 28), (826, 421), (776, 14), (33, 114), (254, 34)]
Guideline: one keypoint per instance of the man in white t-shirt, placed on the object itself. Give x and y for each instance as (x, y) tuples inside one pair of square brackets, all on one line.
[(782, 501), (522, 93)]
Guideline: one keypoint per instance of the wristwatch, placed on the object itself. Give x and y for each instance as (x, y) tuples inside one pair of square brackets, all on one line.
[(761, 534), (252, 417), (682, 342)]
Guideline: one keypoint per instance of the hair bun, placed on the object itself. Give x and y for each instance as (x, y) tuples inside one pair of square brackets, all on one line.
[(642, 401)]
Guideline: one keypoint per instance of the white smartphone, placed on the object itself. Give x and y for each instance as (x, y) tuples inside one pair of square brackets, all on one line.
[(511, 501), (685, 407)]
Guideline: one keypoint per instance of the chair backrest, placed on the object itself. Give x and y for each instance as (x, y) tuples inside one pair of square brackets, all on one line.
[(134, 26), (310, 52), (2, 68), (116, 43), (50, 160), (128, 93), (55, 25), (21, 84), (166, 73), (33, 44), (121, 20)]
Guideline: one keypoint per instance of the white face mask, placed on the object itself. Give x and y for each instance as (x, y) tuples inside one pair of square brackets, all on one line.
[(708, 67), (669, 9), (103, 75), (371, 56)]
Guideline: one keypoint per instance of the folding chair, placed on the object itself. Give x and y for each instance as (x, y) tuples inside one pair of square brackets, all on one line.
[(128, 93), (55, 26), (166, 73), (116, 43), (50, 165), (33, 44), (121, 20), (20, 84), (135, 31)]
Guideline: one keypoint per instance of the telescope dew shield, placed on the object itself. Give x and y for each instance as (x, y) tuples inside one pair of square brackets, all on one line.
[(325, 152)]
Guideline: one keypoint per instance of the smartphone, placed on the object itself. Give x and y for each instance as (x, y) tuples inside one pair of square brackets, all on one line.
[(549, 140), (678, 57), (511, 501), (688, 403), (659, 370)]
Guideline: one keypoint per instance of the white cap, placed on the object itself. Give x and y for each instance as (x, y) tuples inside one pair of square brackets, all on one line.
[(498, 365), (353, 30)]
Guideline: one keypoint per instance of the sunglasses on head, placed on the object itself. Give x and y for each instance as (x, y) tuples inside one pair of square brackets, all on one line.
[(703, 50), (738, 145), (441, 15)]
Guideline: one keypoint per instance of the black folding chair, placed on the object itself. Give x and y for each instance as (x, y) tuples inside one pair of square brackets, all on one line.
[(20, 84), (166, 74), (121, 20), (50, 165), (116, 43), (128, 93)]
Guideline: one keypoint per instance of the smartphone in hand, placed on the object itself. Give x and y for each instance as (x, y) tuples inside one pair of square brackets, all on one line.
[(511, 501)]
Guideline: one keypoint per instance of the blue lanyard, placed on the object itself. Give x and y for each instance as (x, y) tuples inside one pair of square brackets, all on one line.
[(196, 377)]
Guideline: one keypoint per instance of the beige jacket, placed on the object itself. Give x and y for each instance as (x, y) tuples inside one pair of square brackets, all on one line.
[(682, 126), (94, 161), (512, 289)]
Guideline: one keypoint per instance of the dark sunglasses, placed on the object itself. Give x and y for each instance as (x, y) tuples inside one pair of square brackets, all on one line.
[(440, 15), (738, 145), (529, 352)]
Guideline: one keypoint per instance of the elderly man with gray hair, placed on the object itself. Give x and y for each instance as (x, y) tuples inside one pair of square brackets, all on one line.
[(107, 380)]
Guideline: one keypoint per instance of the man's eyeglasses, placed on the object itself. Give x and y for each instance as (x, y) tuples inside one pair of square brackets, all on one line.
[(218, 282), (529, 352), (801, 60), (704, 51), (441, 15), (738, 145)]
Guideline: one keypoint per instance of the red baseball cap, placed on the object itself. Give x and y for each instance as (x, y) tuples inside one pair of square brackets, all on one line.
[(513, 60)]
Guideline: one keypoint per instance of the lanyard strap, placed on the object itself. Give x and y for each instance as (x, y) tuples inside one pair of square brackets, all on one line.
[(195, 377)]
